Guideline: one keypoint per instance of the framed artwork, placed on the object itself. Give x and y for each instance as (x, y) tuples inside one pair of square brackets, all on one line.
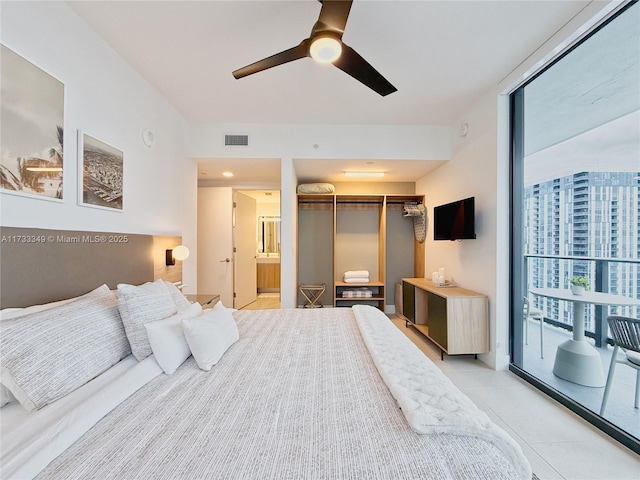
[(31, 128), (100, 173)]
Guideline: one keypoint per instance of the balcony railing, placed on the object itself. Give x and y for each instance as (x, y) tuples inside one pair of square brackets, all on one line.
[(540, 272)]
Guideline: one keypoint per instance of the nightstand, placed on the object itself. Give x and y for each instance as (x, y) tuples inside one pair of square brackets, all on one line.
[(204, 299)]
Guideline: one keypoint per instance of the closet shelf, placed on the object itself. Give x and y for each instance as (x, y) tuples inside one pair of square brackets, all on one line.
[(377, 298), (368, 284), (326, 246)]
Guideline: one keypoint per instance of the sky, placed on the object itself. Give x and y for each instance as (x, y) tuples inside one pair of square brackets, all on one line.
[(32, 106)]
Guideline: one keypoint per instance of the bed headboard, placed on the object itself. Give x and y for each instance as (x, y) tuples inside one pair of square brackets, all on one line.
[(40, 266)]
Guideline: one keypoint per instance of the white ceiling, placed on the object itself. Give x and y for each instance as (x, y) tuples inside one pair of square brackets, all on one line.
[(248, 173), (264, 173), (263, 196), (332, 170), (441, 55)]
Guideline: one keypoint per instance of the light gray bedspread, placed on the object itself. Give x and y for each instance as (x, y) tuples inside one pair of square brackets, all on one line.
[(297, 397)]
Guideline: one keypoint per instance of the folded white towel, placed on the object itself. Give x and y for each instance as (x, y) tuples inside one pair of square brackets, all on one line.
[(357, 280), (356, 273), (357, 293)]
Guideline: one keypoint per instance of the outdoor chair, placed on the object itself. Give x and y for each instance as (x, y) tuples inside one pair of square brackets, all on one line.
[(626, 336)]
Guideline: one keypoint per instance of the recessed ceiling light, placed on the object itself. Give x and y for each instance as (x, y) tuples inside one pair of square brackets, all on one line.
[(227, 174), (364, 174)]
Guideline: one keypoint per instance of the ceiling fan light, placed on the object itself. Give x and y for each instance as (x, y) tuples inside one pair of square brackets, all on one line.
[(325, 50)]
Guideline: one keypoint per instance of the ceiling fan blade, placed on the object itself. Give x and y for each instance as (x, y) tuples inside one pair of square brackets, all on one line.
[(295, 53), (333, 16), (352, 63)]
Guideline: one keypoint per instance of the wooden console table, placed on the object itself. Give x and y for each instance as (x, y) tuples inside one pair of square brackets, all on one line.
[(455, 319)]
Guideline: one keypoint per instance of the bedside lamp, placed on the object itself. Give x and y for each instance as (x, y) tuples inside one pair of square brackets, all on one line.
[(178, 253)]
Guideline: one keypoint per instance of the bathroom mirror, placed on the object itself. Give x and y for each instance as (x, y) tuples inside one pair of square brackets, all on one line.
[(269, 234)]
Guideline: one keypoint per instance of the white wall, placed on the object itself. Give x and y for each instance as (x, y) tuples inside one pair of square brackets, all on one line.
[(408, 142), (479, 167), (289, 235), (270, 209), (470, 173), (105, 98), (288, 142), (215, 210)]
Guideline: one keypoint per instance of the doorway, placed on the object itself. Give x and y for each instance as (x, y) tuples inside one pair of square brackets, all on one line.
[(244, 250), (266, 248)]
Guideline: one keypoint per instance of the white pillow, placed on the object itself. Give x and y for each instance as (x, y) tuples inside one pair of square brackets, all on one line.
[(8, 313), (142, 304), (48, 354), (316, 188), (210, 335), (178, 297), (167, 340), (6, 396)]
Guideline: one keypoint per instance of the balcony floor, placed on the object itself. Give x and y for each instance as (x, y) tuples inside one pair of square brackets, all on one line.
[(620, 410)]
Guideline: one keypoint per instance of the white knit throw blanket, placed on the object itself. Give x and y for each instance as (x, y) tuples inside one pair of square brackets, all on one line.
[(430, 402)]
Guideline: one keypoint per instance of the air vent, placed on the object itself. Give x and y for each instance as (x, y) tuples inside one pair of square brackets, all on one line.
[(235, 140)]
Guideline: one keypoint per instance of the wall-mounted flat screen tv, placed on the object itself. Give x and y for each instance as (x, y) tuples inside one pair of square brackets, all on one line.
[(455, 220)]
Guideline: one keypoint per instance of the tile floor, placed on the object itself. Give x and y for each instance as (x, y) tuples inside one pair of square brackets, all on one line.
[(558, 443), (265, 301)]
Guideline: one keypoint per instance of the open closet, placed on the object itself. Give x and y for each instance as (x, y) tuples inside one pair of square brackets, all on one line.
[(356, 233)]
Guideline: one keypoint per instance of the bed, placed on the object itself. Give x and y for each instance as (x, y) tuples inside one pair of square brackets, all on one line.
[(131, 380), (334, 393)]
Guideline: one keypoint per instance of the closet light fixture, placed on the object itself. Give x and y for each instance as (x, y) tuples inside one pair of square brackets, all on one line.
[(227, 174), (364, 174), (181, 252)]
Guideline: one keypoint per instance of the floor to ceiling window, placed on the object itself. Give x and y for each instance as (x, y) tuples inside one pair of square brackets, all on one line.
[(576, 220)]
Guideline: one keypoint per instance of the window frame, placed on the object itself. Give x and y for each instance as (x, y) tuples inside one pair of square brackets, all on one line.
[(517, 267)]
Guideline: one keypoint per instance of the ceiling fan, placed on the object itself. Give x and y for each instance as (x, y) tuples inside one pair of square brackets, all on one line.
[(325, 45)]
